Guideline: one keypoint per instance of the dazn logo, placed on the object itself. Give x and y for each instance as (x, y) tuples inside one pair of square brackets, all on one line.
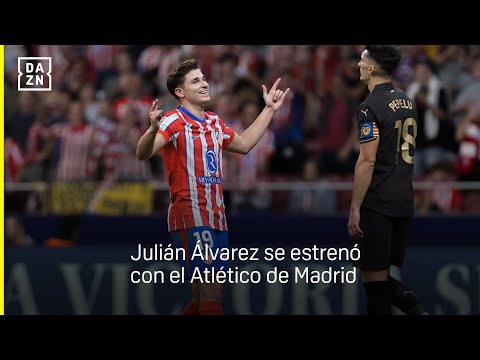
[(34, 74)]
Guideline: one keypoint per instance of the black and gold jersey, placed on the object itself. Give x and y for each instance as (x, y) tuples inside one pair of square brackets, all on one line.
[(389, 116)]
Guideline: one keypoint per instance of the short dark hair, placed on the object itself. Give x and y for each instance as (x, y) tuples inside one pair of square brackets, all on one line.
[(387, 56), (176, 77)]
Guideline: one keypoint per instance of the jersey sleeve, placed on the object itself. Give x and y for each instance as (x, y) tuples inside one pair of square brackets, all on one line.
[(170, 127), (228, 133), (367, 124)]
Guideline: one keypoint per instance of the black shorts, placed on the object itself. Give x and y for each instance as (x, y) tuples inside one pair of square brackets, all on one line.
[(384, 240)]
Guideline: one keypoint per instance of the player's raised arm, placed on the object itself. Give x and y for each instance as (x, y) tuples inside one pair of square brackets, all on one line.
[(249, 138), (151, 142)]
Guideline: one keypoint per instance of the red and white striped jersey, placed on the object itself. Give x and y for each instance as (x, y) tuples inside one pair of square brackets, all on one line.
[(75, 146), (193, 162), (14, 159), (102, 57)]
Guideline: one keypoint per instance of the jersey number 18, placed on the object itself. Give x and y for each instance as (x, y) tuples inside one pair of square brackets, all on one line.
[(407, 138)]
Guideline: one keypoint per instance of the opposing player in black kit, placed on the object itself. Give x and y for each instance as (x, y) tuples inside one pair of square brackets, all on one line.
[(382, 200)]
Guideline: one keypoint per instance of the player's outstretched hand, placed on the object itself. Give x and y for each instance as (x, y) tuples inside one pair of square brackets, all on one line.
[(274, 98), (155, 116)]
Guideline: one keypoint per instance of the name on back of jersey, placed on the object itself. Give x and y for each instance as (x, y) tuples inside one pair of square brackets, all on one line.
[(396, 104)]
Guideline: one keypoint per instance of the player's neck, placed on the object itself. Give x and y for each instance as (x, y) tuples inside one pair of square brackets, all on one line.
[(197, 110), (377, 80)]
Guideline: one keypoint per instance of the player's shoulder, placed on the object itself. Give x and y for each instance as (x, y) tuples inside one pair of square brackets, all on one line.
[(371, 108), (170, 118), (379, 99), (171, 114), (211, 115), (368, 104), (400, 93)]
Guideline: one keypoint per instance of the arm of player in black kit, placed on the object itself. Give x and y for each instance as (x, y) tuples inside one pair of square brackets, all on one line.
[(363, 169)]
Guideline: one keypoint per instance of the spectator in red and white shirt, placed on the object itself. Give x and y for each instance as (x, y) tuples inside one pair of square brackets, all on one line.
[(14, 160), (39, 147), (14, 163), (440, 197), (468, 136), (253, 167), (102, 58), (104, 130), (119, 156), (135, 95), (75, 144)]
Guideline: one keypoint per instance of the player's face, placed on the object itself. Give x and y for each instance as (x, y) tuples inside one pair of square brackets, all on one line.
[(195, 88), (366, 66)]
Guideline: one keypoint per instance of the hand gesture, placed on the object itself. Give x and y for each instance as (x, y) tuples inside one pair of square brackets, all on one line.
[(274, 98), (155, 116)]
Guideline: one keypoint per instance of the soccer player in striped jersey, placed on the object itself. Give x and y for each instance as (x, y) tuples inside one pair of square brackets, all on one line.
[(191, 141)]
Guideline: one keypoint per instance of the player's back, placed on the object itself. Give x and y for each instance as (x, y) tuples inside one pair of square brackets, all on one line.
[(395, 115)]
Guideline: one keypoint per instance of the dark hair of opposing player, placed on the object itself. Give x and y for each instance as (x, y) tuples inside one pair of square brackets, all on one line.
[(386, 56)]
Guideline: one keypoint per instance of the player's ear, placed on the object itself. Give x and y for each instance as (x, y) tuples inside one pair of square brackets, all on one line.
[(179, 92)]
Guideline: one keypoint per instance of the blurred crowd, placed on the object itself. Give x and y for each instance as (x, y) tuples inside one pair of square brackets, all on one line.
[(87, 127)]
